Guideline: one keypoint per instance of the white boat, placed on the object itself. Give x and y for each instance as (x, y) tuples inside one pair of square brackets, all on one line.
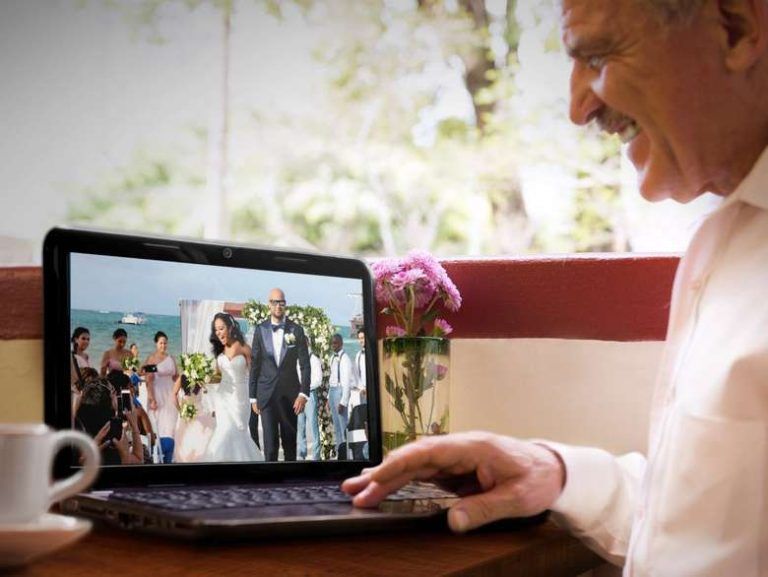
[(133, 319)]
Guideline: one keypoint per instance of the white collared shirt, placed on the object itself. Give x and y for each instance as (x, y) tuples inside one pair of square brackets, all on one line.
[(342, 375), (360, 369), (277, 342), (315, 371), (700, 505)]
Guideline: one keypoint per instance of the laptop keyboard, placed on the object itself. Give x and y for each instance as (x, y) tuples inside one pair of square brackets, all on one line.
[(195, 499)]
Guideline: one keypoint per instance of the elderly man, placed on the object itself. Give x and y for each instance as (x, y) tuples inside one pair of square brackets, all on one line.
[(685, 84)]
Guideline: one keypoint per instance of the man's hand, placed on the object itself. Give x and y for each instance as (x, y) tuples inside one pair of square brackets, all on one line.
[(342, 409), (298, 404), (255, 408), (507, 477)]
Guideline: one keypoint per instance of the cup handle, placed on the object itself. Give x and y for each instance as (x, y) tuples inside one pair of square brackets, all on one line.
[(83, 478)]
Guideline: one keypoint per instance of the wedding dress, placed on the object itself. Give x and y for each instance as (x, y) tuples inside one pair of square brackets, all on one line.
[(231, 439)]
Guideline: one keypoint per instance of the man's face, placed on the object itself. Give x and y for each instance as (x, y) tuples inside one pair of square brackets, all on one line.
[(277, 304), (361, 340), (657, 87), (336, 344)]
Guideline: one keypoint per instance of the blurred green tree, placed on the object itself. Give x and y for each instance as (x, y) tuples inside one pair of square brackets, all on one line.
[(416, 140)]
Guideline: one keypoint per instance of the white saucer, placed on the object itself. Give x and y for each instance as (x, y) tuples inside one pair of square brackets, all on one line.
[(20, 544)]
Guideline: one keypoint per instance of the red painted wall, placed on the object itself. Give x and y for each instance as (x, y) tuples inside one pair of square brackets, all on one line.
[(603, 297)]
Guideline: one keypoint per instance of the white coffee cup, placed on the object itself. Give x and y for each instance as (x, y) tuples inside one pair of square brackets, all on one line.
[(26, 462)]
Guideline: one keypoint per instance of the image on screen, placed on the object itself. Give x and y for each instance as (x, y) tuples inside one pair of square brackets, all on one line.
[(187, 363)]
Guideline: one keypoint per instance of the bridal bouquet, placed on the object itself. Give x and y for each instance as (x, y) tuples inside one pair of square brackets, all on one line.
[(415, 291), (188, 411), (131, 364), (197, 370)]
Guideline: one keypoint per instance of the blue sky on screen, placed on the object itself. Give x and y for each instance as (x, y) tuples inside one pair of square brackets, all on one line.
[(121, 284)]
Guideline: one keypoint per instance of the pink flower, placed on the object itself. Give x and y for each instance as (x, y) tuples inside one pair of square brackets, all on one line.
[(383, 271), (417, 280), (437, 275), (393, 331), (414, 289), (452, 295), (442, 370), (442, 328)]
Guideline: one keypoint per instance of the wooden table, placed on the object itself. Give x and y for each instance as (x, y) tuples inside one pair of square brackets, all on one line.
[(539, 551)]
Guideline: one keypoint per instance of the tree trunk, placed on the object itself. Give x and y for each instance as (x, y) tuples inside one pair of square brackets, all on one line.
[(217, 224)]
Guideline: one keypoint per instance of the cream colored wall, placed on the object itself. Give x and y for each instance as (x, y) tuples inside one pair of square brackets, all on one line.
[(583, 392), (21, 387), (580, 392)]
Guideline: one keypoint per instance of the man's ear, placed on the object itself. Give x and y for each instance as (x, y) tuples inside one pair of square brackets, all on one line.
[(745, 27)]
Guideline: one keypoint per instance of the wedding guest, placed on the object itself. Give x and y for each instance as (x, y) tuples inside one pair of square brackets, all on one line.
[(89, 374), (112, 359), (193, 434), (339, 388), (121, 382), (81, 338), (309, 417), (360, 362), (135, 377), (358, 407), (160, 394), (97, 411)]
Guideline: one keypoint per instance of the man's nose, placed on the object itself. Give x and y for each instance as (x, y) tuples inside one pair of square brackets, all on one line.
[(585, 104)]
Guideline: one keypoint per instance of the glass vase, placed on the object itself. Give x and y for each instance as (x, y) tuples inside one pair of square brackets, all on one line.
[(415, 389)]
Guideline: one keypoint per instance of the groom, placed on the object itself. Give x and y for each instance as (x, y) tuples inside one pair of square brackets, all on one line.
[(277, 393)]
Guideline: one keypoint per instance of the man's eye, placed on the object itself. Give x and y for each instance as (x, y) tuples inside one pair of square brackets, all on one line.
[(595, 62)]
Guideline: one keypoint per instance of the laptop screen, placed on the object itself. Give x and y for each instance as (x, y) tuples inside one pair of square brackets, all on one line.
[(184, 363)]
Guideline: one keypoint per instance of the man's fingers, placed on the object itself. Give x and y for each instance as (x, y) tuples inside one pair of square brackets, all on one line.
[(446, 453), (476, 510), (375, 492), (354, 485)]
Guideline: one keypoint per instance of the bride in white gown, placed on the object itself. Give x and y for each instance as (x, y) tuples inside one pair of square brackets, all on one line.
[(231, 440)]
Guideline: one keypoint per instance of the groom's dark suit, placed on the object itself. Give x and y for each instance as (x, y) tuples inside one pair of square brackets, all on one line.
[(275, 384)]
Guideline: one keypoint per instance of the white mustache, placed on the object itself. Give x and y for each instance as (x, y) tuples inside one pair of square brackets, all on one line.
[(611, 121)]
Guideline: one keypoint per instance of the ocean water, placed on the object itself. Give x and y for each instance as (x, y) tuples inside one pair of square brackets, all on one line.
[(102, 324)]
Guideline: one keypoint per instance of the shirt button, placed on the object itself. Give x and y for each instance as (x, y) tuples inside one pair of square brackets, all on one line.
[(697, 284)]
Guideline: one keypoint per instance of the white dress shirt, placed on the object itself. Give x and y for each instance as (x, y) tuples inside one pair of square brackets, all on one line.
[(277, 343), (700, 504), (360, 369), (315, 371), (342, 374), (358, 393)]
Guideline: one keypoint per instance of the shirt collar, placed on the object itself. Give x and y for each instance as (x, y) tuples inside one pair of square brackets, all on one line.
[(754, 188)]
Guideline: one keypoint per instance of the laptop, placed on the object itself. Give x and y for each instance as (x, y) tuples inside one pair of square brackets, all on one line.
[(194, 459)]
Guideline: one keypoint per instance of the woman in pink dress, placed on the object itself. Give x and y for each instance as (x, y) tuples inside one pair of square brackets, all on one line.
[(112, 360), (81, 338), (192, 434), (162, 405)]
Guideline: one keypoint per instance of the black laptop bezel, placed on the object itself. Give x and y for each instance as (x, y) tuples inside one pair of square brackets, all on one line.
[(57, 247)]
